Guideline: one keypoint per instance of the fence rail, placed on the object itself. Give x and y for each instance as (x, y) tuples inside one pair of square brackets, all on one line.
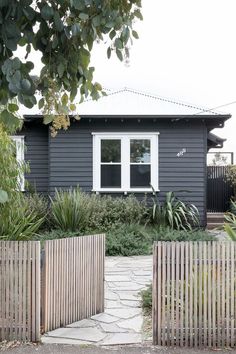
[(19, 291), (194, 294), (73, 280)]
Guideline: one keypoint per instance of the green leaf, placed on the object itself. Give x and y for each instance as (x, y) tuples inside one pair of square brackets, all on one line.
[(29, 65), (118, 43), (78, 4), (112, 34), (54, 42), (84, 57), (12, 107), (75, 29), (73, 93), (135, 34), (25, 85), (29, 12), (3, 196), (47, 12), (41, 103), (72, 107), (98, 86), (58, 22), (110, 24), (119, 54), (9, 120), (64, 99), (28, 48), (138, 14), (83, 16), (11, 43), (47, 119), (96, 21), (109, 52), (3, 97), (60, 69)]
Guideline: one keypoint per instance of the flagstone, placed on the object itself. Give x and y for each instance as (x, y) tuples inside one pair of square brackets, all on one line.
[(134, 323), (122, 338), (124, 313)]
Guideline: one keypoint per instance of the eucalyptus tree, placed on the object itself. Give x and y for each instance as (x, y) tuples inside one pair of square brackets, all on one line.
[(64, 32)]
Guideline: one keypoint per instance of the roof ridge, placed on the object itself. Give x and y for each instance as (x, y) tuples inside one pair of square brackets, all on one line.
[(160, 98), (170, 101)]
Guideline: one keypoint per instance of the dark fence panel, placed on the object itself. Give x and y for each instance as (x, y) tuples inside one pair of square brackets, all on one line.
[(219, 190)]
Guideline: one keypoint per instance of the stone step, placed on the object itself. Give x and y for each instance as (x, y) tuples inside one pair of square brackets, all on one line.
[(212, 215), (215, 218), (215, 225)]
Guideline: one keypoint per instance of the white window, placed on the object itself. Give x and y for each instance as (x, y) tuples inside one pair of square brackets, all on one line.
[(19, 141), (126, 162)]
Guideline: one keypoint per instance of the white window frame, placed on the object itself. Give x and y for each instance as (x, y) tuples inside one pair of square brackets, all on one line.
[(20, 156), (125, 138)]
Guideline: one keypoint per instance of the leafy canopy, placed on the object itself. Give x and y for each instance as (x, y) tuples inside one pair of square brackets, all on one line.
[(64, 31)]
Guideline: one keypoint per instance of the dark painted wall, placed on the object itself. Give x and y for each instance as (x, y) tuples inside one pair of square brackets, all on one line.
[(66, 160), (36, 141)]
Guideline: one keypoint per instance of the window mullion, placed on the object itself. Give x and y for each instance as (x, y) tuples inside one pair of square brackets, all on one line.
[(125, 163)]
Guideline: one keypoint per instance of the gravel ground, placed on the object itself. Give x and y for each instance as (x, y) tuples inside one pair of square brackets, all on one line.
[(76, 349)]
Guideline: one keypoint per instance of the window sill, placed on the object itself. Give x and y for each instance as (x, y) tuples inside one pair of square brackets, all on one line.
[(145, 190)]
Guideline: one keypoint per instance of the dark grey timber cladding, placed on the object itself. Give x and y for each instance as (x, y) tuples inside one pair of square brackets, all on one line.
[(36, 140), (71, 161)]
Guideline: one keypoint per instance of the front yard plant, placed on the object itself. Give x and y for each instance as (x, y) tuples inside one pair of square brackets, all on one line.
[(70, 210), (128, 240), (174, 213), (146, 300), (230, 222), (18, 220)]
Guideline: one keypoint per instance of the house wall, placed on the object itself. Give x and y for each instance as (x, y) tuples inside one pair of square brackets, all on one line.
[(66, 160), (71, 156), (36, 154)]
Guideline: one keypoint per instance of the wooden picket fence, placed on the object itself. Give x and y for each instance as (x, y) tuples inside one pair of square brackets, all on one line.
[(19, 291), (194, 286), (73, 280), (43, 289)]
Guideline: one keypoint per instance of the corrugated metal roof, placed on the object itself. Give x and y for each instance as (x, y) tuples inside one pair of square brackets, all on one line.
[(127, 101)]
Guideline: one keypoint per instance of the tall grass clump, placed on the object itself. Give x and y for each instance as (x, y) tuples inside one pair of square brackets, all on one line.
[(70, 210), (174, 213)]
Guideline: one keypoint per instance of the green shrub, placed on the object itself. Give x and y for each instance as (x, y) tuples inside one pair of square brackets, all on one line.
[(233, 207), (10, 168), (146, 299), (74, 210), (128, 240), (56, 234), (19, 222), (167, 234), (231, 177), (108, 212), (230, 223), (70, 210), (39, 205), (174, 213)]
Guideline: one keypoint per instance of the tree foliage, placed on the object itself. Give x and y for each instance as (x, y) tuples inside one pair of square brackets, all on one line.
[(10, 168), (231, 176), (64, 31)]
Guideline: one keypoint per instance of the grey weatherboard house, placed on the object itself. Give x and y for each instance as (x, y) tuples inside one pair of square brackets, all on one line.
[(122, 143)]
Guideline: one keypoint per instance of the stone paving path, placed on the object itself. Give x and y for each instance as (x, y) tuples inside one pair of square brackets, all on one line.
[(121, 323)]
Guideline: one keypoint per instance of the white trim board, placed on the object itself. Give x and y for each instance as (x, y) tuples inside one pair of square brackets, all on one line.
[(125, 162)]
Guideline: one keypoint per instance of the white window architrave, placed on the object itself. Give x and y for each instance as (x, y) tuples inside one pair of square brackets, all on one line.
[(20, 156), (125, 138)]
